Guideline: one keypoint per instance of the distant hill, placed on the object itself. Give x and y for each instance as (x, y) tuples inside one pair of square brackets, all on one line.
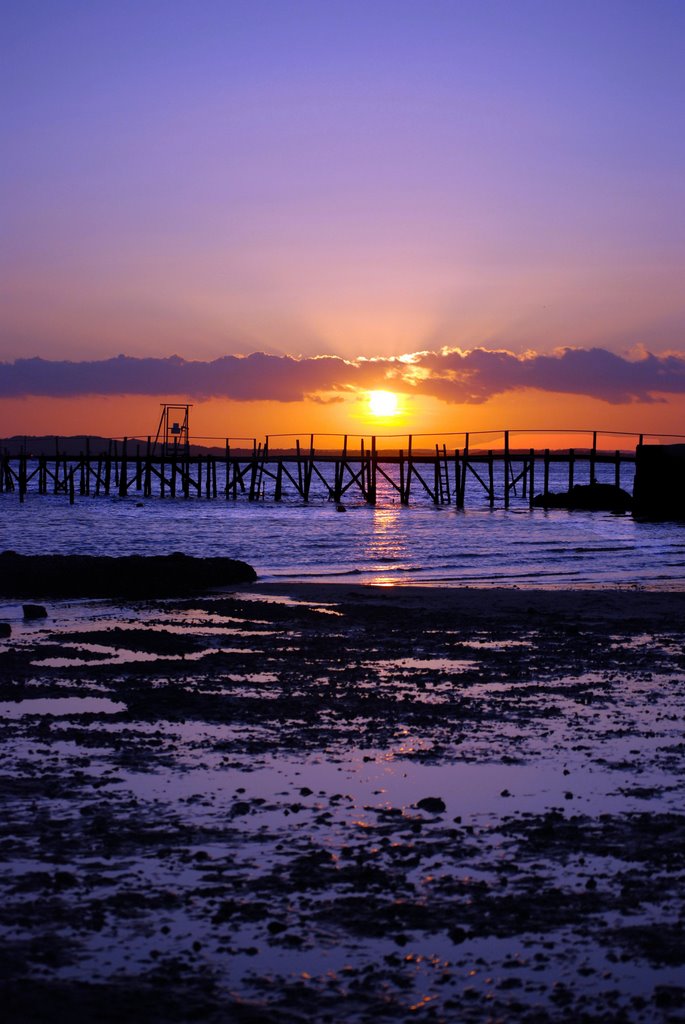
[(72, 446)]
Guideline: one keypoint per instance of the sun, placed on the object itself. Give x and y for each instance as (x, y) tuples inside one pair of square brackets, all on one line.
[(383, 403)]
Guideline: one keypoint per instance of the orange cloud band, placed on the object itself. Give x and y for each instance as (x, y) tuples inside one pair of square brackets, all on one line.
[(451, 375)]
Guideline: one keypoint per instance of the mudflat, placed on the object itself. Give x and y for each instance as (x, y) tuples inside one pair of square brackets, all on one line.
[(344, 803)]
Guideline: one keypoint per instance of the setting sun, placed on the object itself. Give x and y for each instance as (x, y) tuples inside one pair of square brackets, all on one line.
[(383, 403)]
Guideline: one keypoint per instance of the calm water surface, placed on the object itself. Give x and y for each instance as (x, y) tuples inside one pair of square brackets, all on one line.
[(387, 543)]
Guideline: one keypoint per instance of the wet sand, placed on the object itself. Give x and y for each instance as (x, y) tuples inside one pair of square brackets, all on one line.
[(341, 803)]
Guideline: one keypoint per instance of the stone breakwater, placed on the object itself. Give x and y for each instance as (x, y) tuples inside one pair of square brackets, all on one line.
[(129, 576)]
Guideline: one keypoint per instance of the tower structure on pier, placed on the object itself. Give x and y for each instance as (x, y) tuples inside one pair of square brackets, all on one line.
[(173, 432)]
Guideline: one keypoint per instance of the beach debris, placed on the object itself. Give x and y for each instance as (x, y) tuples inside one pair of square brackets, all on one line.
[(432, 804)]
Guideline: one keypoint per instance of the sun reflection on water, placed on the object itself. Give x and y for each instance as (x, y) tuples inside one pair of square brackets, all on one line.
[(386, 548)]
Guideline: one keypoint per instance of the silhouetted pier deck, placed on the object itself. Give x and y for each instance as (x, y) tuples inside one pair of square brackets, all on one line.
[(357, 468)]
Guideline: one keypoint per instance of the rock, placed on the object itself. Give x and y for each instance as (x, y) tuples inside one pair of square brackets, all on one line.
[(432, 804), (5, 630), (590, 497), (340, 507), (34, 611), (128, 576)]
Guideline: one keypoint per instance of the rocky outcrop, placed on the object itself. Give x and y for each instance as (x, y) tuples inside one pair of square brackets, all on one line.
[(592, 497), (129, 576), (34, 611)]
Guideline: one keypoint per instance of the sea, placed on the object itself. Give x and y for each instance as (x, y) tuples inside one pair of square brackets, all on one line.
[(385, 544)]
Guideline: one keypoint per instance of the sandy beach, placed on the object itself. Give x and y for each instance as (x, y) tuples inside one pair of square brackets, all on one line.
[(331, 802)]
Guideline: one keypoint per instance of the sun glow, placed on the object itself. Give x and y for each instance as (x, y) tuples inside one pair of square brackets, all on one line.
[(383, 403)]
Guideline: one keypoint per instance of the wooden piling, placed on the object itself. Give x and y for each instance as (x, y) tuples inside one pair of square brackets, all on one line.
[(108, 470), (507, 472), (464, 467), (373, 471), (22, 477), (123, 471), (184, 470), (437, 482)]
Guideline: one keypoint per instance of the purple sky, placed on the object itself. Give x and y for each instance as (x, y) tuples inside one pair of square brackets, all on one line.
[(343, 178)]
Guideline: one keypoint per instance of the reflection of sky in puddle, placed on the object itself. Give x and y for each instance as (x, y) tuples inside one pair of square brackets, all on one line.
[(496, 645), (647, 641), (612, 751), (61, 707), (393, 666), (120, 656), (214, 767), (325, 607), (477, 791)]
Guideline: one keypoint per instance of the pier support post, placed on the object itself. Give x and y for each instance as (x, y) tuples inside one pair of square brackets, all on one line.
[(123, 472), (437, 482), (507, 469), (571, 467), (410, 467), (464, 467), (373, 466)]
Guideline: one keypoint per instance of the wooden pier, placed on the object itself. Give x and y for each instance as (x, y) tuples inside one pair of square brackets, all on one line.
[(358, 468)]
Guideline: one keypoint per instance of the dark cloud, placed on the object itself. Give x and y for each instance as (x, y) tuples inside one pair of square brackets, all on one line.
[(479, 374), (451, 375)]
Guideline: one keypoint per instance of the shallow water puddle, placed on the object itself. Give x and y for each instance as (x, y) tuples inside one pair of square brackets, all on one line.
[(393, 666), (338, 828), (121, 656), (61, 707), (323, 607)]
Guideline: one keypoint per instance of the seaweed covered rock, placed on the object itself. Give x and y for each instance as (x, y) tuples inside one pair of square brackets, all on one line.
[(593, 497), (128, 576)]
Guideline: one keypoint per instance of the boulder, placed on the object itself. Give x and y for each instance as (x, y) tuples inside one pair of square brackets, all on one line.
[(128, 576), (592, 497), (34, 611)]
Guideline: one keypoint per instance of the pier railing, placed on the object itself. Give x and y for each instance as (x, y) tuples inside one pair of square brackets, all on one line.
[(493, 466)]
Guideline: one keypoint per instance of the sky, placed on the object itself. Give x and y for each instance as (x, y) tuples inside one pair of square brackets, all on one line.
[(270, 208)]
